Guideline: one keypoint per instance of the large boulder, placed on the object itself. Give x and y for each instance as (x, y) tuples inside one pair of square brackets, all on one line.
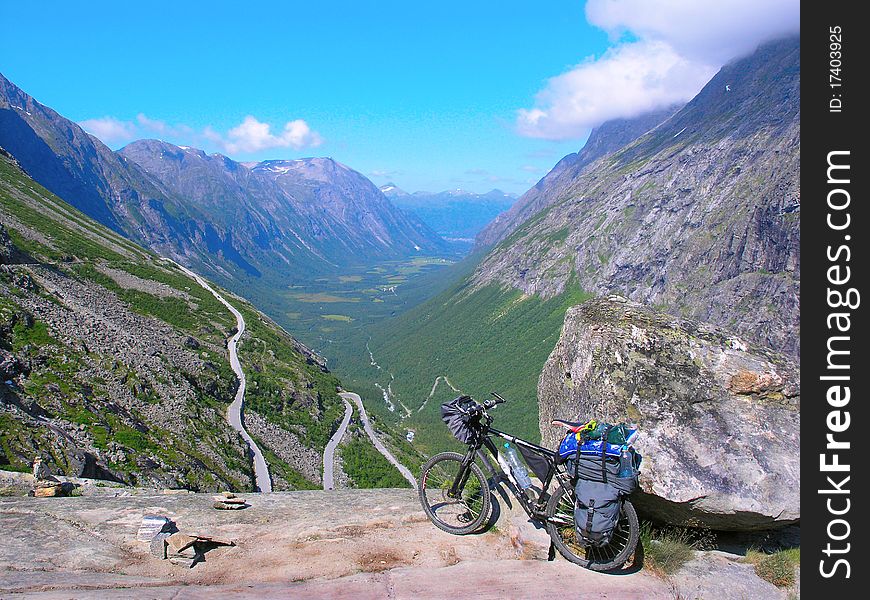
[(719, 418)]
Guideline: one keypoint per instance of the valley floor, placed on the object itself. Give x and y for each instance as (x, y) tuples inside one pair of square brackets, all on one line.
[(338, 544)]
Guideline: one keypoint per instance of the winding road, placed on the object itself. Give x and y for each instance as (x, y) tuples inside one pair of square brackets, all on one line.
[(434, 387), (377, 443), (329, 451), (234, 412)]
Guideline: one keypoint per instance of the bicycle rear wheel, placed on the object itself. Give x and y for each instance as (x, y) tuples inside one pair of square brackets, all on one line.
[(469, 509), (560, 526)]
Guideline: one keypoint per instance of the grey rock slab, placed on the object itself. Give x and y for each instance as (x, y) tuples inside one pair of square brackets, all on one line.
[(157, 546), (338, 544), (714, 576), (151, 526), (719, 418), (64, 542), (97, 532), (528, 538), (363, 586), (230, 505), (521, 579)]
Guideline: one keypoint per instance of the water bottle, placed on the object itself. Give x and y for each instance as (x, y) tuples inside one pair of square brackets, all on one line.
[(626, 463), (518, 469)]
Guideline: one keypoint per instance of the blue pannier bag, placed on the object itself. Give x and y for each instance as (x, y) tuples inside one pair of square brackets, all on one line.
[(590, 443), (599, 491)]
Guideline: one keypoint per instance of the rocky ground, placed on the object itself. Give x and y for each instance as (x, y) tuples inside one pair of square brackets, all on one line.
[(339, 544), (286, 446)]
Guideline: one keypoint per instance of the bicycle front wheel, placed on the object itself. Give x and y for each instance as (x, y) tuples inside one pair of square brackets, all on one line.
[(459, 515), (560, 526)]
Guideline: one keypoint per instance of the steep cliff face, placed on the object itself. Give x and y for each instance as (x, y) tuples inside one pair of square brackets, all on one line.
[(719, 418), (700, 216), (114, 362), (604, 140)]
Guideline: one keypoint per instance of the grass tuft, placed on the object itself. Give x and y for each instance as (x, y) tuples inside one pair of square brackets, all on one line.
[(777, 568), (667, 549)]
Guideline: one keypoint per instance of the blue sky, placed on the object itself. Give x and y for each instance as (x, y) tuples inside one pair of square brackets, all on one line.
[(430, 95)]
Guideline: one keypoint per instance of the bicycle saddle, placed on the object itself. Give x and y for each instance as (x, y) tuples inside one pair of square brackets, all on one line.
[(572, 426)]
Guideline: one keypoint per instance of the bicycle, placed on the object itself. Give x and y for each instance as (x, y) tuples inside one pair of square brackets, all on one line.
[(456, 496)]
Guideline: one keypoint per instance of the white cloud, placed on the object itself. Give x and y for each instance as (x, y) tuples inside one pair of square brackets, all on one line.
[(252, 135), (713, 32), (673, 47), (151, 124), (109, 129), (627, 81)]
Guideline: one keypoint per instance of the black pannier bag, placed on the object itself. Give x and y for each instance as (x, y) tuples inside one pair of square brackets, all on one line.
[(463, 426), (537, 463), (598, 495)]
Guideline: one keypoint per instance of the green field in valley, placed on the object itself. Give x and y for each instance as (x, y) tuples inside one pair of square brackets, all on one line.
[(475, 340)]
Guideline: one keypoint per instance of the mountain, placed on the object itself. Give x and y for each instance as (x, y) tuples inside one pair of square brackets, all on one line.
[(605, 139), (698, 217), (114, 361), (307, 214), (456, 215), (271, 222), (352, 210), (72, 164)]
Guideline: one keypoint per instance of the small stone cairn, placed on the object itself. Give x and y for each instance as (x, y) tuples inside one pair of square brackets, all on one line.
[(229, 501), (46, 485)]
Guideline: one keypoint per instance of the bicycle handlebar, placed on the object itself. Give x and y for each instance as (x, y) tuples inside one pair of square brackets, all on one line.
[(492, 403)]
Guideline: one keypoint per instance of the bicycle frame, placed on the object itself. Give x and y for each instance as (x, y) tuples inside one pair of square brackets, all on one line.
[(534, 507), (554, 509)]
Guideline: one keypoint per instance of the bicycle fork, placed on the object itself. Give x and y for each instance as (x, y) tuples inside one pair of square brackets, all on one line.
[(459, 482)]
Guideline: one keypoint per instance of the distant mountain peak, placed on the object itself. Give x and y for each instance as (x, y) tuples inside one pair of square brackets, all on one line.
[(322, 168), (391, 190)]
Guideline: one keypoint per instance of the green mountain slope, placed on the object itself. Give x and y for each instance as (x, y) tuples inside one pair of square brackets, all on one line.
[(492, 339), (114, 362)]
